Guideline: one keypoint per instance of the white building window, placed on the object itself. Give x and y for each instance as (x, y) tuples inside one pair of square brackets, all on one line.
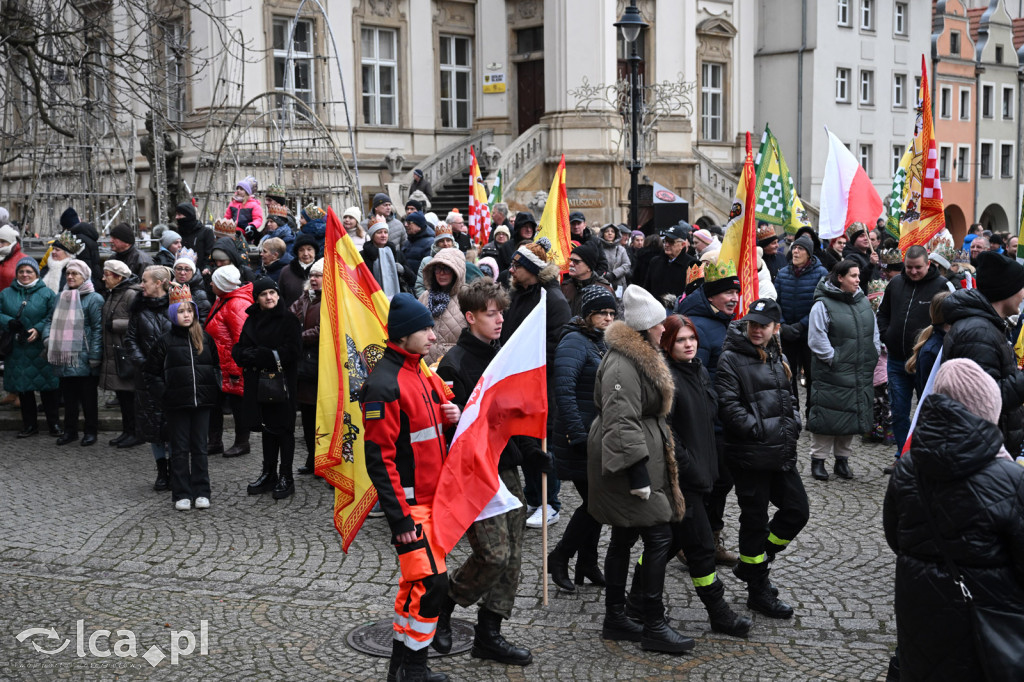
[(867, 15), (987, 105), (865, 158), (945, 151), (946, 102), (379, 48), (1006, 160), (899, 90), (985, 160), (1007, 103), (843, 8), (711, 101), (965, 104), (175, 48), (897, 156), (293, 73), (842, 85), (867, 87), (899, 19), (456, 80), (963, 164)]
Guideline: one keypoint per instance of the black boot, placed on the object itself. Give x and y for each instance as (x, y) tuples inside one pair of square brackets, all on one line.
[(761, 599), (658, 635), (558, 567), (285, 487), (738, 572), (414, 666), (723, 619), (818, 470), (395, 665), (842, 468), (489, 644), (443, 635), (591, 572), (635, 598), (114, 441), (264, 484), (618, 627), (308, 468), (162, 481)]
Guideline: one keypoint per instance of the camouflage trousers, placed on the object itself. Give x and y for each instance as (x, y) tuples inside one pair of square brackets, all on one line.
[(491, 573)]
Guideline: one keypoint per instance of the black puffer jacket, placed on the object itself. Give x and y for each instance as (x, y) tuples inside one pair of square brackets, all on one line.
[(977, 505), (694, 409), (228, 246), (905, 310), (200, 296), (195, 235), (577, 358), (148, 323), (760, 419), (88, 235), (980, 334), (178, 376)]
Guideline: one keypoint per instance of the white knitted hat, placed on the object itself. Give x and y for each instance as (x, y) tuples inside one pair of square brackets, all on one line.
[(642, 310)]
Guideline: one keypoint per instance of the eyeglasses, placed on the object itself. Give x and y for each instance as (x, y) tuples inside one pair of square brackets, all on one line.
[(512, 266), (183, 268), (576, 261)]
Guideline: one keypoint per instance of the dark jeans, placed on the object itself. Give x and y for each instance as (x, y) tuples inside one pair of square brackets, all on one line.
[(799, 355), (80, 392), (126, 400), (715, 500), (30, 411), (238, 414), (693, 535), (190, 474), (755, 490), (532, 485), (583, 531), (657, 543), (901, 389)]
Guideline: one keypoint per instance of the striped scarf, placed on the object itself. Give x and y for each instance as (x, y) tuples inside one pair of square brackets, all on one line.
[(67, 331)]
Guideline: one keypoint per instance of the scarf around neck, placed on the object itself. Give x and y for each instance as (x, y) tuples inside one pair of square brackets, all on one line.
[(55, 274), (385, 271), (67, 330), (438, 302)]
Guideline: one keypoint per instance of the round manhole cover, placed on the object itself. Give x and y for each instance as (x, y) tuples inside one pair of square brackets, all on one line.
[(375, 638)]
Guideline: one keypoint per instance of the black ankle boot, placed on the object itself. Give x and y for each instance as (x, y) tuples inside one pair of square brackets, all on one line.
[(489, 644), (443, 635), (761, 599), (162, 481), (618, 627), (398, 651), (723, 619), (308, 468), (658, 635), (818, 470), (264, 484), (285, 487), (842, 468), (558, 568), (591, 572)]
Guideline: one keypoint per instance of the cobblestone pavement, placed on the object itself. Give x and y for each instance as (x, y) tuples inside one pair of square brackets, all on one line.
[(84, 538)]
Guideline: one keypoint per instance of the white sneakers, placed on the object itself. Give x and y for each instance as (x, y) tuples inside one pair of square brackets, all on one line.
[(183, 504), (202, 503), (536, 520)]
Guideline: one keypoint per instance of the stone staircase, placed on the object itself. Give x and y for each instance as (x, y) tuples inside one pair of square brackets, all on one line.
[(454, 194)]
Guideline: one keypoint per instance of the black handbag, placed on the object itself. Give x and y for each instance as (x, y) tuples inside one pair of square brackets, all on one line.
[(123, 364), (7, 337), (994, 629), (273, 387)]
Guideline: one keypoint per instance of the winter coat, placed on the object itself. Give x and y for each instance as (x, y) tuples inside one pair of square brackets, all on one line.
[(180, 377), (449, 324), (370, 256), (9, 266), (199, 295), (418, 248), (694, 411), (842, 394), (577, 358), (712, 328), (642, 263), (248, 216), (224, 325), (868, 270), (796, 292), (461, 368), (765, 288), (759, 415), (285, 234), (906, 309), (117, 314), (92, 353), (976, 503), (26, 368), (273, 271), (619, 266), (88, 235), (926, 357), (630, 444), (165, 258), (195, 235), (292, 281), (307, 310), (148, 323), (666, 277), (524, 300), (136, 260), (318, 230), (978, 333), (264, 332), (229, 247), (775, 263), (571, 289)]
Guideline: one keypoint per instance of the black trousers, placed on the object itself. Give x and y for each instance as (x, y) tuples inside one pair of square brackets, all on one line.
[(657, 544), (755, 490), (278, 437), (583, 531), (81, 392), (190, 473), (308, 414), (798, 353), (238, 414), (126, 399), (715, 500), (30, 410), (694, 536)]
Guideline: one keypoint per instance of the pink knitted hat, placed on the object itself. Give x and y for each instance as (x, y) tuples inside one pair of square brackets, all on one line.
[(967, 383)]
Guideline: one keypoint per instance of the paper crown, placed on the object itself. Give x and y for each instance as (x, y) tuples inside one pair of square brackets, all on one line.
[(275, 189), (314, 211), (961, 258), (766, 232), (876, 287), (694, 273), (179, 294), (946, 250), (69, 242), (890, 256), (277, 209), (188, 253), (716, 271), (442, 230), (225, 226)]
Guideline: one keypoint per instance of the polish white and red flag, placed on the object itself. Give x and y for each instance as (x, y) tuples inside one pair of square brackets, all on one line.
[(510, 399), (847, 195)]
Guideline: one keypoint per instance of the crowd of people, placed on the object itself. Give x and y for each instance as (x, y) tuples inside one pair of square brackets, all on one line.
[(660, 401)]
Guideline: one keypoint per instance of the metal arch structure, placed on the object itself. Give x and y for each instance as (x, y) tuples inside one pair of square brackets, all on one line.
[(290, 142)]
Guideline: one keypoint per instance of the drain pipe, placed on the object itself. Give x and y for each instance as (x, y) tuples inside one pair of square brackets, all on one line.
[(800, 99)]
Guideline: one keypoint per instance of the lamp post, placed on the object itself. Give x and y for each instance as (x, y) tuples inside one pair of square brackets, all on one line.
[(631, 24)]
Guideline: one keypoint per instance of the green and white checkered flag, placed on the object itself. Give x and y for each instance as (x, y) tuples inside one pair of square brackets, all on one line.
[(898, 196), (495, 195), (777, 201)]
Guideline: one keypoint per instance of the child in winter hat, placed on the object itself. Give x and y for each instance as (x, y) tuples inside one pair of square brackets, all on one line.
[(966, 382)]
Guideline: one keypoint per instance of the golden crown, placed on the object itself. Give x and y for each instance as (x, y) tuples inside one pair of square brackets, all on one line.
[(716, 271), (695, 272), (890, 256), (179, 293)]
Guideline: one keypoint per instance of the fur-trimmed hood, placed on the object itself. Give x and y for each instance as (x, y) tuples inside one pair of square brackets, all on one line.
[(648, 360)]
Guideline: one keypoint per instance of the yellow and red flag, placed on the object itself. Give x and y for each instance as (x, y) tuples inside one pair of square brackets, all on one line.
[(739, 248), (479, 211), (554, 223), (922, 217)]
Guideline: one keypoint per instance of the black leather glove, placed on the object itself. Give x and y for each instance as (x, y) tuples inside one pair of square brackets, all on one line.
[(542, 460), (15, 326), (264, 358), (790, 332)]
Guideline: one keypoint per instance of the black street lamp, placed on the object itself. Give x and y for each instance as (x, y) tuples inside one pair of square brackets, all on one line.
[(631, 24)]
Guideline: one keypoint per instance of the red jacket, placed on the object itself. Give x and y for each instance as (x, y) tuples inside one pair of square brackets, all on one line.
[(405, 443), (224, 325), (248, 214), (9, 267)]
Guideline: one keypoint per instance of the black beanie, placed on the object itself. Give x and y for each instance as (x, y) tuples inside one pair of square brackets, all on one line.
[(595, 297), (69, 218), (407, 316), (999, 277), (263, 284), (590, 253), (720, 286), (124, 232), (304, 239)]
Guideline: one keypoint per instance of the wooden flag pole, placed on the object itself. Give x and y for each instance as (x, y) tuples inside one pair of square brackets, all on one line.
[(544, 526)]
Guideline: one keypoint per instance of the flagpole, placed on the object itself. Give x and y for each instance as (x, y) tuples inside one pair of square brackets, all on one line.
[(544, 526)]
